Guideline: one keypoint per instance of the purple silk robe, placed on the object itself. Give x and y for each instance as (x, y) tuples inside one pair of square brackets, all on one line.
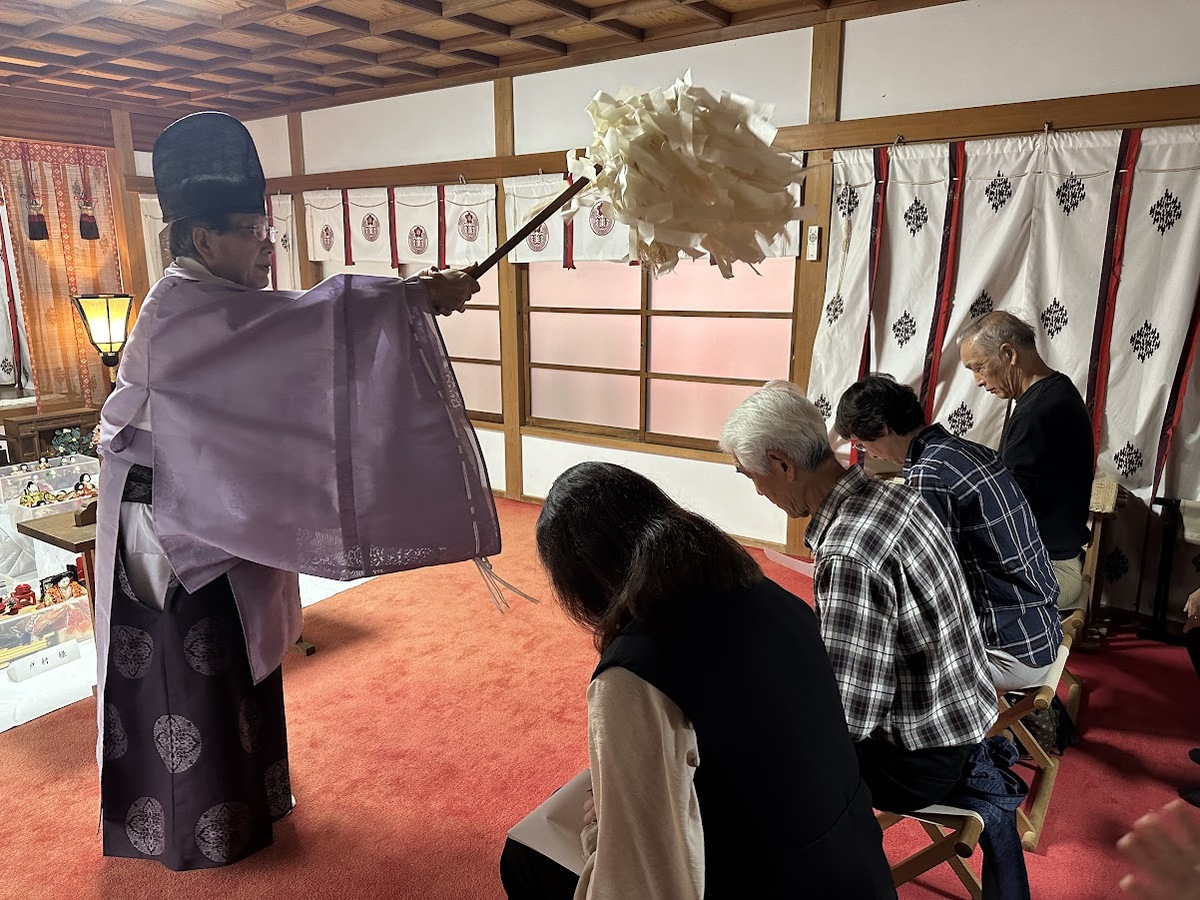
[(321, 433)]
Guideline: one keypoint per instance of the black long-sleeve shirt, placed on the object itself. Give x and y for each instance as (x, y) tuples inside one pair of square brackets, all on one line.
[(1048, 445)]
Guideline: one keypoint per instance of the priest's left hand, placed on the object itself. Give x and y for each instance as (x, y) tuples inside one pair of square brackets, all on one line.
[(449, 290)]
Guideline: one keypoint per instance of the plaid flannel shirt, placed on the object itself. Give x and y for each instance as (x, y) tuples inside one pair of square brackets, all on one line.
[(993, 529), (897, 619)]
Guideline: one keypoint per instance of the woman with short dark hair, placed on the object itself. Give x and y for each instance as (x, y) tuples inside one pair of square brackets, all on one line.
[(720, 759)]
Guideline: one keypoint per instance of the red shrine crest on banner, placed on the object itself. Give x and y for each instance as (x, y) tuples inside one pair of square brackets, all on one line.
[(327, 238), (370, 227), (468, 226), (539, 240), (418, 239), (599, 220)]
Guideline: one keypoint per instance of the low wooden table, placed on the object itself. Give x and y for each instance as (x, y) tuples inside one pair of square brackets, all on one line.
[(61, 531)]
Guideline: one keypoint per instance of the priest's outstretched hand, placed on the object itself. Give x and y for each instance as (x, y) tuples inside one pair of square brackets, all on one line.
[(449, 289)]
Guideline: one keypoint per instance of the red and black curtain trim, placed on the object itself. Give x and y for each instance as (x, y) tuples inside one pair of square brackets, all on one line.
[(1110, 279), (947, 272)]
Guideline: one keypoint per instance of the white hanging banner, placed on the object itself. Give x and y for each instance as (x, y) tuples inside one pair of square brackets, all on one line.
[(838, 347), (525, 197), (911, 248), (416, 211), (596, 235), (286, 271), (999, 187), (155, 237), (323, 216), (470, 211), (370, 234), (1071, 219), (13, 346), (1150, 321), (1154, 303)]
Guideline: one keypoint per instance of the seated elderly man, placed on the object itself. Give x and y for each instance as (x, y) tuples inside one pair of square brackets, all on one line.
[(1047, 441), (991, 525), (893, 605)]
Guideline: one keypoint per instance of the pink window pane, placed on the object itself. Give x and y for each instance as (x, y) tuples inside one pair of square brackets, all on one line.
[(690, 409), (695, 284), (592, 285), (589, 397), (480, 385), (720, 348), (474, 333), (586, 339)]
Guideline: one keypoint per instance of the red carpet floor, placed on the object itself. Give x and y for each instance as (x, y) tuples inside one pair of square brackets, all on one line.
[(427, 723)]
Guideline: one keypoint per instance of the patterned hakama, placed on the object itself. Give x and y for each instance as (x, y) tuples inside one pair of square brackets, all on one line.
[(195, 754)]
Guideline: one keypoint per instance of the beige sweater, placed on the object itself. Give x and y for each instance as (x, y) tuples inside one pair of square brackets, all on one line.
[(648, 841)]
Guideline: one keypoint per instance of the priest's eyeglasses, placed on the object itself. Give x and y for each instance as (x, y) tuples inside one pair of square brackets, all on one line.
[(261, 232)]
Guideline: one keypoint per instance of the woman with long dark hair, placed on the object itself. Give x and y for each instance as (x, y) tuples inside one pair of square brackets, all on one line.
[(720, 761)]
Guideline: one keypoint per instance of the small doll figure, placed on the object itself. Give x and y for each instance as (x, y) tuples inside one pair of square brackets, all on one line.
[(43, 463), (30, 496)]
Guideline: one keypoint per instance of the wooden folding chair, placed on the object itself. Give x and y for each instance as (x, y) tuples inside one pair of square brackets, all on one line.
[(953, 833), (1108, 497), (1039, 697)]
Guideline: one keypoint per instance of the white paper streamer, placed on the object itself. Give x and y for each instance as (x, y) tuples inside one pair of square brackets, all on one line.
[(691, 174)]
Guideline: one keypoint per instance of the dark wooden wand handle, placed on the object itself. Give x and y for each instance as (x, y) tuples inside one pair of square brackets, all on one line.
[(530, 227)]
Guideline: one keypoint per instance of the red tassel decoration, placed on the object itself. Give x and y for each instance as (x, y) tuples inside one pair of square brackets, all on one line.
[(88, 229), (36, 222)]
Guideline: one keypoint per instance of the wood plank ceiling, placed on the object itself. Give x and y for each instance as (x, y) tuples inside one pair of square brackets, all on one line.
[(253, 58)]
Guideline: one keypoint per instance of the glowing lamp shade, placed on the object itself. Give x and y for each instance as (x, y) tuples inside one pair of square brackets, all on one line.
[(106, 318)]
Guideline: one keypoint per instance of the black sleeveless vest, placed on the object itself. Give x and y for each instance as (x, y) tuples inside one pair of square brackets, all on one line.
[(785, 812)]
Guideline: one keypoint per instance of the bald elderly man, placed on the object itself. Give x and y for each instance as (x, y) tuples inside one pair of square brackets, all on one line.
[(1047, 441)]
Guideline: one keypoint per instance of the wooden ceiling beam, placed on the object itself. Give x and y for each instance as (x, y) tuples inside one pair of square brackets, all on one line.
[(458, 7), (586, 15), (44, 95), (337, 19), (183, 13), (274, 35), (707, 10)]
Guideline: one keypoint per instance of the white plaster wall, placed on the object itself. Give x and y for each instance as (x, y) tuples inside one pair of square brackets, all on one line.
[(984, 52), (271, 139), (491, 442), (549, 109), (434, 126), (715, 490), (143, 163)]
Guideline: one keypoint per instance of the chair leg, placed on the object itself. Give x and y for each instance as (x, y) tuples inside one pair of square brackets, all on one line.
[(1074, 694), (922, 861), (1040, 806), (964, 872)]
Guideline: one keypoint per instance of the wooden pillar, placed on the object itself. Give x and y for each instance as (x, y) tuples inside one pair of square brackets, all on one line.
[(127, 211), (310, 272), (823, 105), (511, 319)]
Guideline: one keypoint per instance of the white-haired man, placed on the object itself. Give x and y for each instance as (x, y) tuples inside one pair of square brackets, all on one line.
[(1047, 441), (894, 607)]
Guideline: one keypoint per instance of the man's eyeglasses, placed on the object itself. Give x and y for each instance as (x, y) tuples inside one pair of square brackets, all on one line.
[(260, 232)]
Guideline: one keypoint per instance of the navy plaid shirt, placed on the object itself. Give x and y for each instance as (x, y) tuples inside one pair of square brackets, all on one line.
[(1008, 571), (897, 620)]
